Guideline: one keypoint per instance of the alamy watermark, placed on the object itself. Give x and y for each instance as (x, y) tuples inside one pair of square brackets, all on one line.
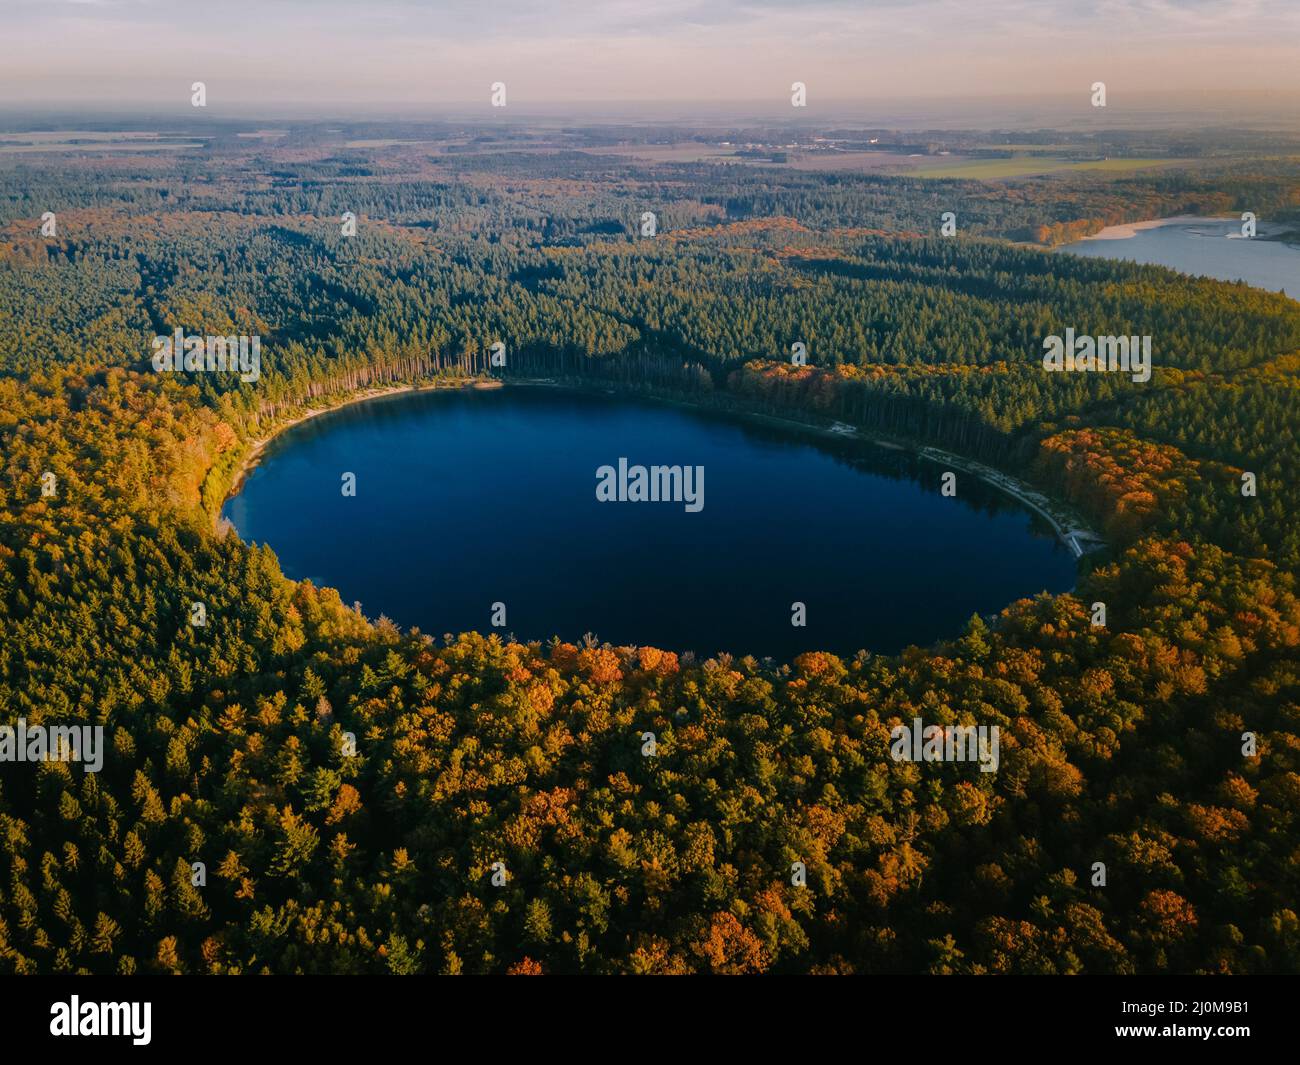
[(57, 743), (653, 484), (946, 743), (79, 1018), (1080, 354), (213, 354)]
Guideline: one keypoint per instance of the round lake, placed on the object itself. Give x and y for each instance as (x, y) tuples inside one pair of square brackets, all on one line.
[(469, 498)]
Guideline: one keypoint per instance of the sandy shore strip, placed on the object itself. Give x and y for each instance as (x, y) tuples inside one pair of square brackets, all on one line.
[(1132, 229)]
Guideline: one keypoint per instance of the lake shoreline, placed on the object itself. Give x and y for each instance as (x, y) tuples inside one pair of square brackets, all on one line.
[(1179, 243), (1129, 230), (1069, 527), (257, 446), (1267, 232)]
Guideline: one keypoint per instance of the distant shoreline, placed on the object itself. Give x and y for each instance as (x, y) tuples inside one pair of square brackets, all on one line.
[(1220, 255), (1129, 230)]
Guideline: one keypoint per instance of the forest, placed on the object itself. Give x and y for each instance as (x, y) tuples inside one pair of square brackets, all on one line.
[(366, 799)]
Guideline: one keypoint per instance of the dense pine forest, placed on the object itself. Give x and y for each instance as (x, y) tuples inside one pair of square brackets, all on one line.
[(350, 788)]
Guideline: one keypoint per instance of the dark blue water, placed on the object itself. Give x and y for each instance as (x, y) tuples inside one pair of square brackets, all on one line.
[(469, 498)]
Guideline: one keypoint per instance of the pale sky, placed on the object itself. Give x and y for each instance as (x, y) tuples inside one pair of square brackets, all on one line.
[(448, 52)]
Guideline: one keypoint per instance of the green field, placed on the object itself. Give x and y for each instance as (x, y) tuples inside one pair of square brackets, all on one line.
[(984, 169)]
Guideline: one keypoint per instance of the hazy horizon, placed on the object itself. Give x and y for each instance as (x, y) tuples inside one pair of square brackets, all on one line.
[(329, 57), (1148, 111)]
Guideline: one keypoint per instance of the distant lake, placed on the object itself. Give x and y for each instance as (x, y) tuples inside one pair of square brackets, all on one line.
[(1208, 247), (464, 499)]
